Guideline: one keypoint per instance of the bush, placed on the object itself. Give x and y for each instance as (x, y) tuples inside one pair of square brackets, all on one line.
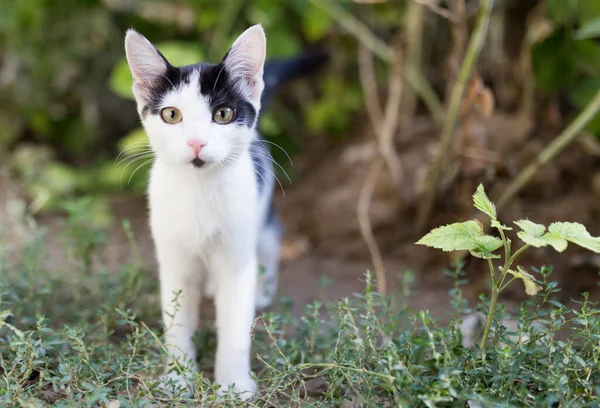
[(71, 338)]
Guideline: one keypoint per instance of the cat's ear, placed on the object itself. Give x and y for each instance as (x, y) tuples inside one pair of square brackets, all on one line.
[(246, 59), (146, 63)]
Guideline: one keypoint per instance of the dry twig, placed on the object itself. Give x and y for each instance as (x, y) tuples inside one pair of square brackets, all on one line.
[(440, 11), (557, 145), (384, 126), (364, 222), (383, 51), (473, 51)]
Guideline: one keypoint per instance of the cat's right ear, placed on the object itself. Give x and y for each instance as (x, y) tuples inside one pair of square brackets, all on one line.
[(146, 63)]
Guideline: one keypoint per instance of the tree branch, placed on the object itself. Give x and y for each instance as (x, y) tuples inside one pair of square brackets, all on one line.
[(557, 145), (473, 51)]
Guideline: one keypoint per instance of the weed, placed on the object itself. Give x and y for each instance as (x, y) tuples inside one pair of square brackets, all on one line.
[(69, 339)]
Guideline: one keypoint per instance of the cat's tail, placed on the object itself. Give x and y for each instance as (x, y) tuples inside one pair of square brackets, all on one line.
[(280, 71)]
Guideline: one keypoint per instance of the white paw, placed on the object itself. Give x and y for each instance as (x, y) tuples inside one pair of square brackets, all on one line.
[(244, 388), (177, 384)]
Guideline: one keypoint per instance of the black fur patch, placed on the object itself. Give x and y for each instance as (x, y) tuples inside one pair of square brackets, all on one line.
[(215, 83), (222, 89)]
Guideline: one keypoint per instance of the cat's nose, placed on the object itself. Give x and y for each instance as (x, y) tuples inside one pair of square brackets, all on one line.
[(197, 145)]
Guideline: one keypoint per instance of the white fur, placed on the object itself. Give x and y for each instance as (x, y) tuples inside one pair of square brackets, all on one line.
[(206, 222)]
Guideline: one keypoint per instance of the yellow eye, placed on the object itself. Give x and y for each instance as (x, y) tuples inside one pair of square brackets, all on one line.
[(223, 115), (171, 115)]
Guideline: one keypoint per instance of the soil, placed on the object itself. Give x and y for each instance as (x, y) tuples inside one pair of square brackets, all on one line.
[(322, 237)]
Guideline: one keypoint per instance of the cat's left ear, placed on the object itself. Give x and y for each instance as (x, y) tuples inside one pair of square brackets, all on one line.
[(246, 59)]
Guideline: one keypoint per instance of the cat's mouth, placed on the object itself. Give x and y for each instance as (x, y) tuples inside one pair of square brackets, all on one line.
[(198, 162)]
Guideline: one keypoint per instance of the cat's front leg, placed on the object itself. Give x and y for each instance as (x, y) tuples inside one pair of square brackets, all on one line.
[(180, 294), (235, 271)]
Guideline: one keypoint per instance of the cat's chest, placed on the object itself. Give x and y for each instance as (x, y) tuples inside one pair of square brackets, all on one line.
[(193, 211)]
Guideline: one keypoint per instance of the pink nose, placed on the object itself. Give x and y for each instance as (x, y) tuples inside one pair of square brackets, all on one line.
[(197, 145)]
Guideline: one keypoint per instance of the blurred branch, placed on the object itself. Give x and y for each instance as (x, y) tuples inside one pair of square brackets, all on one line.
[(557, 145), (357, 28), (383, 51), (364, 222), (384, 126), (366, 72), (440, 11), (413, 29), (473, 51)]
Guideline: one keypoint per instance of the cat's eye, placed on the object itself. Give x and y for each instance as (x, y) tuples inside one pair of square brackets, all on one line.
[(223, 115), (171, 115)]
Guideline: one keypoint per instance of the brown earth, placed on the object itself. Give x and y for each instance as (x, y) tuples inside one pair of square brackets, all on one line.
[(322, 236)]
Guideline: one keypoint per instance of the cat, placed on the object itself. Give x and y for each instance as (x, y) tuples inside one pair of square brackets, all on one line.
[(211, 211)]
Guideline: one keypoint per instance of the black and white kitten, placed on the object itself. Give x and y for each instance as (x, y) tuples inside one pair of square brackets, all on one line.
[(210, 195)]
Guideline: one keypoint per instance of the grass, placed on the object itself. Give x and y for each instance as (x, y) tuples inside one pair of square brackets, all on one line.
[(77, 338)]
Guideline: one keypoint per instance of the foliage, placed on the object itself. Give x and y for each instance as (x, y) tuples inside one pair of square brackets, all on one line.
[(70, 338), (567, 60), (66, 88), (469, 235)]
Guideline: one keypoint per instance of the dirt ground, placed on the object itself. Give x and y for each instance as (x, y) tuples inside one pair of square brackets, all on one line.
[(322, 238)]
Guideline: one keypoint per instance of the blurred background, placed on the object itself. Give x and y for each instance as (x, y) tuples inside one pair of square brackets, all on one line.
[(366, 175)]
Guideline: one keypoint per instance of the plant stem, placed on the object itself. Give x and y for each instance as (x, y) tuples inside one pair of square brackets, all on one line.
[(363, 33), (475, 46), (507, 283), (557, 145), (514, 257), (488, 321)]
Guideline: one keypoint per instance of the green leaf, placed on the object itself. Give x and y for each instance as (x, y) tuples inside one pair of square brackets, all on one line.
[(454, 237), (485, 245), (531, 288), (576, 233), (589, 29), (498, 225), (536, 236), (555, 241), (530, 228), (483, 203)]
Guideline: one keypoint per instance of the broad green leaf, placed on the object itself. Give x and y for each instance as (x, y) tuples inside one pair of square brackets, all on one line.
[(589, 29), (531, 233), (555, 241), (483, 203), (536, 236), (498, 225), (531, 288), (575, 233), (485, 245), (454, 237)]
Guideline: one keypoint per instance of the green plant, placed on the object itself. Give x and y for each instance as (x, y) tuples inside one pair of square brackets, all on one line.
[(74, 339), (567, 59), (470, 236)]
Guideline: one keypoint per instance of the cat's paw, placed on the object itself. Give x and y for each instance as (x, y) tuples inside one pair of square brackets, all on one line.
[(177, 384), (244, 388)]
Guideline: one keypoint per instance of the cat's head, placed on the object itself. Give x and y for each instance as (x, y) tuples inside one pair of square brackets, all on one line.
[(203, 114)]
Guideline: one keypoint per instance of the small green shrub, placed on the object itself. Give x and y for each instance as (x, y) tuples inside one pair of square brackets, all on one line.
[(69, 337)]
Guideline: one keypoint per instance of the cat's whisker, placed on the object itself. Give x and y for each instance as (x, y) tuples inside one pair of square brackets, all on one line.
[(133, 156), (133, 146), (279, 147), (267, 156), (131, 162), (217, 80), (139, 167), (274, 176)]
